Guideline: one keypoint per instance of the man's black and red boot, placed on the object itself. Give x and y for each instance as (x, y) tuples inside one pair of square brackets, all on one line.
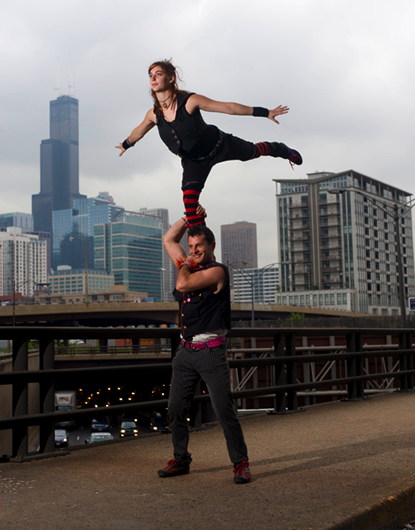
[(174, 468), (242, 474)]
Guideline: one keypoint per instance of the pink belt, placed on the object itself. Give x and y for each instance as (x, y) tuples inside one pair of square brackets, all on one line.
[(212, 343)]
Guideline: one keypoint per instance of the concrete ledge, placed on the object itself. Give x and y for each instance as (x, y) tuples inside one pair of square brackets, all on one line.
[(390, 514)]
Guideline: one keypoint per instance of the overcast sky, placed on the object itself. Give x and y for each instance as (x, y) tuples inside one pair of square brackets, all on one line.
[(345, 68)]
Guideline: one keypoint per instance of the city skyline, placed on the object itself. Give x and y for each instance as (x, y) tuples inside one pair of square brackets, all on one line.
[(350, 101)]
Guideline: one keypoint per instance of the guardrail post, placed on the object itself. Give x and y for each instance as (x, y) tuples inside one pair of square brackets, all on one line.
[(174, 344), (292, 402), (135, 342), (46, 396), (355, 389), (405, 361), (280, 401), (19, 397), (103, 344)]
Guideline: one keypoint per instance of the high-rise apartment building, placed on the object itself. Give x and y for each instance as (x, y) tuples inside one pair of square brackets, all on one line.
[(167, 269), (23, 262), (239, 245), (59, 164), (130, 248), (341, 248)]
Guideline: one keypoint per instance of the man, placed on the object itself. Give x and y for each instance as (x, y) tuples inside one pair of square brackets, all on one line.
[(203, 293)]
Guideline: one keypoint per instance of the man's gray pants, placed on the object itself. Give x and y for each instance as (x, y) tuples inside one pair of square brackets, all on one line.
[(211, 365)]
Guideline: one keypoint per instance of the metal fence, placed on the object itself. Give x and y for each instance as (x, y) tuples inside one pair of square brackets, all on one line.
[(281, 366)]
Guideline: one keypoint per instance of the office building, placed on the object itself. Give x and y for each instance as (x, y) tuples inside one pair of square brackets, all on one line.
[(73, 230), (258, 285), (59, 164), (23, 262), (66, 280), (115, 294), (130, 248), (167, 266), (19, 219), (337, 237), (239, 245)]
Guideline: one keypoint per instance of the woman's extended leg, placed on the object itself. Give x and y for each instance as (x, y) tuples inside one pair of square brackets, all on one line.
[(196, 172)]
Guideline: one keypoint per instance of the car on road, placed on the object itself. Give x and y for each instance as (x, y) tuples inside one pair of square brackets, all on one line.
[(99, 437), (128, 428), (100, 425), (61, 438), (159, 424)]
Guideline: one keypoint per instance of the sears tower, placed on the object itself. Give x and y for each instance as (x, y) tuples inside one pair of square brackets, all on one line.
[(59, 164)]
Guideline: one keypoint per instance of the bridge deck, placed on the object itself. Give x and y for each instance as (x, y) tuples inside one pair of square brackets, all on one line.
[(312, 470)]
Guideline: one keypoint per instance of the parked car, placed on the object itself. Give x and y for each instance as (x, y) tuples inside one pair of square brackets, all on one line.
[(61, 438), (128, 428), (100, 425), (99, 437)]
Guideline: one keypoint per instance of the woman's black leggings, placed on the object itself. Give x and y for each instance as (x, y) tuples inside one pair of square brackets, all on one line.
[(195, 172)]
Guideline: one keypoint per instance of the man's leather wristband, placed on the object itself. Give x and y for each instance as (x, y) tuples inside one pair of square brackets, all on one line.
[(260, 111)]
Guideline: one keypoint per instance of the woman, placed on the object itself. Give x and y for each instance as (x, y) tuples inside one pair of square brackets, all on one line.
[(200, 146)]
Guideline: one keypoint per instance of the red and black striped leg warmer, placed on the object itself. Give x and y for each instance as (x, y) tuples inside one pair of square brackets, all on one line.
[(262, 149), (191, 202)]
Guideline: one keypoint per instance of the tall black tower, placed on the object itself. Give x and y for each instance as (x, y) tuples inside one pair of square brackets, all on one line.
[(59, 164)]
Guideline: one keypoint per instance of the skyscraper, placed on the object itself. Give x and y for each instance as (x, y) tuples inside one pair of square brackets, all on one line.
[(59, 164), (130, 248), (166, 273), (73, 230), (239, 245)]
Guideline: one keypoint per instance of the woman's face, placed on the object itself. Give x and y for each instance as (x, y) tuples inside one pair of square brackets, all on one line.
[(159, 80)]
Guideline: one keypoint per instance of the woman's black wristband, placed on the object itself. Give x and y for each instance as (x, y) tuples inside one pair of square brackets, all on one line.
[(126, 144), (260, 111)]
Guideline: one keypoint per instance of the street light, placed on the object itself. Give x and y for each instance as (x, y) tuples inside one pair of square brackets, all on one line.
[(162, 284), (396, 216)]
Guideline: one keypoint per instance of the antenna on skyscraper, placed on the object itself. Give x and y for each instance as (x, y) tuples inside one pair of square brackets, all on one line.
[(56, 82), (71, 82)]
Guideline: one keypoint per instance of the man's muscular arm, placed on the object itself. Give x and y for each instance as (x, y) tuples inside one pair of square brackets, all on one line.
[(192, 281), (171, 241)]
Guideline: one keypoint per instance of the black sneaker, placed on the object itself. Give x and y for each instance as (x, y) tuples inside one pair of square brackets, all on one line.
[(242, 474), (293, 156), (174, 468), (278, 149)]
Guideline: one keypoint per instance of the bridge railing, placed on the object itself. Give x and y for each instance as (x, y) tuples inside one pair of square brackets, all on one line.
[(296, 361)]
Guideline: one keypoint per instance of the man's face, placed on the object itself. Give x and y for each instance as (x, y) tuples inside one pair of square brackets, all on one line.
[(200, 250)]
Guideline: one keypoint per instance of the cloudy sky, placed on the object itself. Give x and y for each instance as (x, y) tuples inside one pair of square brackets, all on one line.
[(345, 68)]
